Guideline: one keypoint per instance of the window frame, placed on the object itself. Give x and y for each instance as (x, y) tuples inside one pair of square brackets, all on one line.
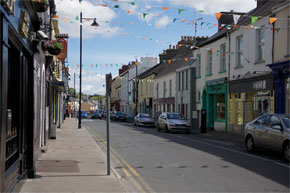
[(239, 51), (223, 57), (198, 66), (209, 62), (260, 44)]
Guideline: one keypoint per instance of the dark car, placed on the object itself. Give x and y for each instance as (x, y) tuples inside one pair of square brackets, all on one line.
[(96, 115), (119, 116)]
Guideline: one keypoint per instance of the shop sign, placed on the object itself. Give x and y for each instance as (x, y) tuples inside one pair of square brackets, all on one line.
[(9, 5), (24, 22), (259, 85)]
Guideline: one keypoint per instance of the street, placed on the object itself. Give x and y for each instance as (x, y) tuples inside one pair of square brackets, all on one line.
[(149, 161)]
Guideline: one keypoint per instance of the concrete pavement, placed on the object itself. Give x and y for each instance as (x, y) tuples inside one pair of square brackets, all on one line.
[(72, 163)]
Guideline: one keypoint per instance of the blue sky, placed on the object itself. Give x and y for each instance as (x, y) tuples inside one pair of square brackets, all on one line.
[(123, 37)]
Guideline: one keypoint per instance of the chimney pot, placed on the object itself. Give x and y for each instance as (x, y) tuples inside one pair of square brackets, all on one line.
[(173, 47), (170, 47)]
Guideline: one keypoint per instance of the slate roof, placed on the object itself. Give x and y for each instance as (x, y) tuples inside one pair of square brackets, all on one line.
[(263, 10), (177, 63)]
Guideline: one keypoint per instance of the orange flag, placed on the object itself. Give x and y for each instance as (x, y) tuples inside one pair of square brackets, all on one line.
[(169, 61), (164, 8), (218, 15), (185, 59), (105, 5), (184, 20), (128, 12), (273, 19)]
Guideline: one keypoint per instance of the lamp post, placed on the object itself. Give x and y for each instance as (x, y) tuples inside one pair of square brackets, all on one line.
[(94, 24)]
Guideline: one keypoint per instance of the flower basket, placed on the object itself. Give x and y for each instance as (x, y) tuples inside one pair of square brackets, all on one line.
[(40, 6), (54, 51), (54, 47)]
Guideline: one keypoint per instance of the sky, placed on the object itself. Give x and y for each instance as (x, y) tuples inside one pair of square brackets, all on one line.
[(131, 29)]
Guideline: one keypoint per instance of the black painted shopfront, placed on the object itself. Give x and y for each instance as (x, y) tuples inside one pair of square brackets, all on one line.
[(17, 20)]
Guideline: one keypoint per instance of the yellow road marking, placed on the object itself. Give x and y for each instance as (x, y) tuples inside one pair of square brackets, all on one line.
[(148, 187), (123, 169), (126, 172)]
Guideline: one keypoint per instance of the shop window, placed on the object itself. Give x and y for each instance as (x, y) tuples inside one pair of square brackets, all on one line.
[(221, 108)]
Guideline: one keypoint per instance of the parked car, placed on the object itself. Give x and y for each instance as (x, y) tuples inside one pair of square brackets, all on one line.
[(173, 122), (143, 120), (96, 115), (84, 114), (119, 116), (270, 131)]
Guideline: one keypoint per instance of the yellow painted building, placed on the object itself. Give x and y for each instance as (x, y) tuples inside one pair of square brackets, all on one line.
[(116, 94), (146, 90)]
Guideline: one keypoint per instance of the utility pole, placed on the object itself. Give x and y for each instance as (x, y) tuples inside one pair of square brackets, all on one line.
[(74, 94), (136, 87), (108, 93)]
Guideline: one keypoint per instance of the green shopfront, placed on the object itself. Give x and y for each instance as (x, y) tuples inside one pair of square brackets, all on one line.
[(214, 101)]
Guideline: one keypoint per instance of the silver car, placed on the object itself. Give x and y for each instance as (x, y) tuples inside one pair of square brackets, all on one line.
[(173, 122), (269, 131), (143, 120)]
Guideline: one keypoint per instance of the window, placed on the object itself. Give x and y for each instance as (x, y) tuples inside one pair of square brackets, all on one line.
[(157, 90), (186, 80), (239, 51), (198, 64), (223, 58), (221, 108), (264, 120), (179, 81), (260, 44), (182, 79), (164, 89), (170, 88), (198, 96), (186, 110), (209, 63), (274, 120), (146, 86)]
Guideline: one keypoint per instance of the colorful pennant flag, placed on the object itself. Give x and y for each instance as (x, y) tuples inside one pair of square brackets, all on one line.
[(164, 8), (254, 19), (180, 11), (218, 15), (273, 19)]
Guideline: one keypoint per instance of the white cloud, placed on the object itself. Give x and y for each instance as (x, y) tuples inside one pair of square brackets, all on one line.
[(214, 6), (91, 84), (162, 21), (68, 10)]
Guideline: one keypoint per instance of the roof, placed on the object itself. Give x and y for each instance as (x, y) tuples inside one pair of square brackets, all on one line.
[(263, 10), (175, 64)]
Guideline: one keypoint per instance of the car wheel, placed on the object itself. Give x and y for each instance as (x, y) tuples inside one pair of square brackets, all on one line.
[(166, 129), (285, 151), (158, 128), (250, 144), (138, 124)]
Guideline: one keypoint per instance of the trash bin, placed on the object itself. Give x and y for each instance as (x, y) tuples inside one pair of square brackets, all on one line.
[(53, 131)]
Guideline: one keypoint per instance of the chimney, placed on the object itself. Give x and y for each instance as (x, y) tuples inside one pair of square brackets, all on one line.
[(170, 47)]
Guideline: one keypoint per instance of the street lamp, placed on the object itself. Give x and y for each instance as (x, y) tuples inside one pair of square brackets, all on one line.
[(94, 24)]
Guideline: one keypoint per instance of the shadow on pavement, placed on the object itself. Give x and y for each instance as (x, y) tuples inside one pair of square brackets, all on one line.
[(235, 155)]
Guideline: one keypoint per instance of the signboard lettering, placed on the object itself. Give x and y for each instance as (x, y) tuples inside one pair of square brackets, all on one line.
[(259, 85)]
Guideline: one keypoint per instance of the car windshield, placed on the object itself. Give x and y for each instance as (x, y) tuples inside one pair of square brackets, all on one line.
[(174, 116), (144, 116), (119, 113), (286, 121)]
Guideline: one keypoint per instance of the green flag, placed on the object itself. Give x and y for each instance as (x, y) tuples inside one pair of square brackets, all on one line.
[(132, 3), (77, 18), (180, 11), (254, 19), (174, 20), (116, 6), (144, 15)]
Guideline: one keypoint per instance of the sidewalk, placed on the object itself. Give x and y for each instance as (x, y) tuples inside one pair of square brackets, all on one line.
[(72, 163)]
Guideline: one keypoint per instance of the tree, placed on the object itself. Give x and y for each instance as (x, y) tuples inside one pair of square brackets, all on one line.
[(71, 91)]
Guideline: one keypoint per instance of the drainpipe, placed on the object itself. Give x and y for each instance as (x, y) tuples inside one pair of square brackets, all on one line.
[(228, 79)]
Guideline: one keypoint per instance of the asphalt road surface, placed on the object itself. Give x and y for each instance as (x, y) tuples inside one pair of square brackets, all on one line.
[(150, 161)]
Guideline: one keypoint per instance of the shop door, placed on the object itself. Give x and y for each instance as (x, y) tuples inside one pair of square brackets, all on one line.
[(211, 111)]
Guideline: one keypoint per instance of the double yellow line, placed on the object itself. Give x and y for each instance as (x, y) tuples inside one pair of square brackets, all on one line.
[(128, 170)]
